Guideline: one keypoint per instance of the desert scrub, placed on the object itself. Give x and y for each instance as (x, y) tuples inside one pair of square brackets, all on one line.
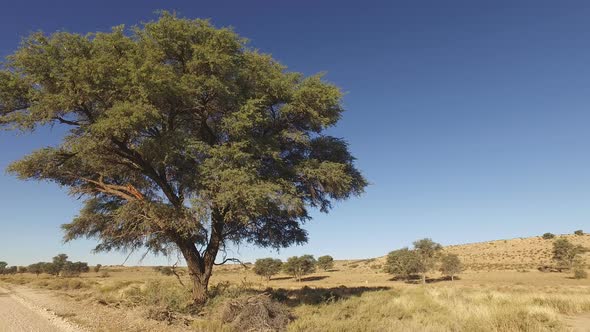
[(167, 295), (444, 309)]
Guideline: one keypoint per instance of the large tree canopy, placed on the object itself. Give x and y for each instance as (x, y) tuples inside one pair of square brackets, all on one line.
[(180, 138)]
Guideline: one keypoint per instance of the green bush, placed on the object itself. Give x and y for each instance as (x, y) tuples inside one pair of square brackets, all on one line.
[(548, 236), (325, 262), (267, 267), (299, 266)]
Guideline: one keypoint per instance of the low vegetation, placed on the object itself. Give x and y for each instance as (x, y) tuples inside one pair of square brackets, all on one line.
[(565, 253), (325, 262), (440, 309), (422, 259), (352, 297), (267, 267), (451, 265), (299, 266)]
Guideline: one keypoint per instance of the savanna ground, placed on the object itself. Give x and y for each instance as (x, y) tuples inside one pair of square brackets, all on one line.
[(353, 296)]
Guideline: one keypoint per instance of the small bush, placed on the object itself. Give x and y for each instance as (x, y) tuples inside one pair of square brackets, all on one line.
[(579, 232), (580, 274), (299, 266), (325, 262), (548, 236), (267, 267)]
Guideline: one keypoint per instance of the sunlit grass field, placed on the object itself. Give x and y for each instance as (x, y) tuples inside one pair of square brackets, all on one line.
[(354, 296)]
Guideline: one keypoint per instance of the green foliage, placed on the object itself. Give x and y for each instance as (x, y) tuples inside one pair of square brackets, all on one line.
[(267, 267), (50, 268), (565, 252), (579, 232), (422, 259), (74, 269), (60, 265), (10, 270), (451, 265), (428, 253), (402, 263), (299, 266), (325, 262), (179, 136), (97, 268), (36, 268), (3, 266), (548, 236)]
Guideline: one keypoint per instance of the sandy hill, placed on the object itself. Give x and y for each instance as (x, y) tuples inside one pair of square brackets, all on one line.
[(520, 253), (512, 254)]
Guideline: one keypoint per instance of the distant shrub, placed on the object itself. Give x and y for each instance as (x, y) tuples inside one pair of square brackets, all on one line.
[(299, 266), (548, 236), (36, 268), (579, 268), (97, 268), (565, 253), (10, 270), (402, 263), (104, 274), (580, 274), (451, 265), (74, 269), (325, 262), (579, 232), (267, 267)]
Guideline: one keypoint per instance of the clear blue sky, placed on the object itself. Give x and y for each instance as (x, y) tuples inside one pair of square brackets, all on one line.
[(470, 119)]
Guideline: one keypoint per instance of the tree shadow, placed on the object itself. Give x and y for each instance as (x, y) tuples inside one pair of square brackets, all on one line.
[(281, 278), (313, 296), (314, 278), (417, 279)]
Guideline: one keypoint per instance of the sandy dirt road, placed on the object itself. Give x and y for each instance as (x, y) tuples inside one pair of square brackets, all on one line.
[(17, 315)]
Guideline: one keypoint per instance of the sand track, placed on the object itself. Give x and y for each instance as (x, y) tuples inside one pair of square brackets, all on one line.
[(17, 314)]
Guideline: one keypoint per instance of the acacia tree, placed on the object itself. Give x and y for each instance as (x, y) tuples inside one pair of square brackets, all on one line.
[(299, 266), (402, 263), (267, 267), (325, 262), (427, 252), (451, 265), (565, 252), (179, 137)]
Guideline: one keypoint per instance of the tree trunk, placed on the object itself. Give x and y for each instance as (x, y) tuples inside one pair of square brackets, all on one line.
[(200, 267), (423, 278), (452, 277)]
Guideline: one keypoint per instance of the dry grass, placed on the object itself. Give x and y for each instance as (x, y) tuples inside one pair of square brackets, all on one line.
[(447, 308), (354, 296)]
